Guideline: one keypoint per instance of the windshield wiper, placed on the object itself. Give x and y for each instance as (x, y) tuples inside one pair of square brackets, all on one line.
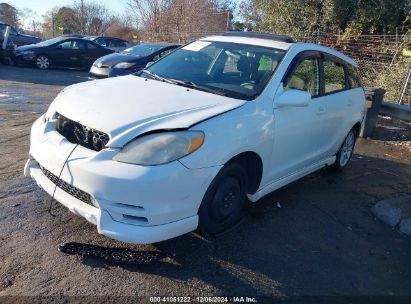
[(185, 83), (190, 84), (156, 76)]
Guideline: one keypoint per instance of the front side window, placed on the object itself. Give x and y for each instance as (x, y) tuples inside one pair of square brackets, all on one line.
[(306, 77), (71, 45), (101, 41), (235, 70), (334, 76)]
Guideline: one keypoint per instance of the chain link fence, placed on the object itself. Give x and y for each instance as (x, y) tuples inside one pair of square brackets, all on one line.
[(384, 61)]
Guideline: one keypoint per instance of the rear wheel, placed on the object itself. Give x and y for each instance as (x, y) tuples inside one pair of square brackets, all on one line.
[(223, 202), (43, 62), (345, 152)]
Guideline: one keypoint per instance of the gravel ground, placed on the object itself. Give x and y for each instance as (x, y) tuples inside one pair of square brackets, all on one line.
[(321, 239)]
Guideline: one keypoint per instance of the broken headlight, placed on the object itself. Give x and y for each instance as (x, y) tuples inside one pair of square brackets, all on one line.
[(160, 148)]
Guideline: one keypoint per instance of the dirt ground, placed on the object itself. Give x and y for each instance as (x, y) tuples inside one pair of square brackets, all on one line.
[(322, 238)]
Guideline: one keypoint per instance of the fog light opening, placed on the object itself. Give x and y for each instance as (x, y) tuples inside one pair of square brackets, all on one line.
[(137, 219)]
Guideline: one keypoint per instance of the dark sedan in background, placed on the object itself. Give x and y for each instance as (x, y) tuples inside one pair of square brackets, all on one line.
[(64, 52), (130, 60)]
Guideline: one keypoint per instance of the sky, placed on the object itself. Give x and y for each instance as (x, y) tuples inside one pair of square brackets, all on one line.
[(42, 6)]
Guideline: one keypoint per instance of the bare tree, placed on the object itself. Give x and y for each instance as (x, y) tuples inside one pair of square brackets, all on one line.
[(92, 17), (180, 20), (149, 13)]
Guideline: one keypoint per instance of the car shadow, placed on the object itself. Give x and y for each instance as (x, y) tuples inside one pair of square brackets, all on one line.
[(315, 236)]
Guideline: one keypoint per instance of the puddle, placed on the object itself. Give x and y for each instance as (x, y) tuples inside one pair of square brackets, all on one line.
[(30, 99)]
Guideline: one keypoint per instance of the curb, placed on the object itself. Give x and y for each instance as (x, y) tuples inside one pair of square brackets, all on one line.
[(395, 212)]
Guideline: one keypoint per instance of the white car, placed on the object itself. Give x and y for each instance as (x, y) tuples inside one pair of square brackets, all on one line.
[(182, 145)]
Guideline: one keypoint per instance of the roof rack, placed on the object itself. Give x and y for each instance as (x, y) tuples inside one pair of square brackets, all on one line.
[(276, 37)]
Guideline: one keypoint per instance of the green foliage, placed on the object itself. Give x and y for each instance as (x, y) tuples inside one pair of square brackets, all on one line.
[(295, 17), (9, 14), (299, 17), (392, 80)]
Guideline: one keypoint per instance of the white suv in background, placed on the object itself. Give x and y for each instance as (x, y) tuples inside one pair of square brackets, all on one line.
[(181, 146)]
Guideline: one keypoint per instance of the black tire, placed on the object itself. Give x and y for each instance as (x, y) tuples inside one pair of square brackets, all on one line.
[(42, 62), (223, 202), (342, 158)]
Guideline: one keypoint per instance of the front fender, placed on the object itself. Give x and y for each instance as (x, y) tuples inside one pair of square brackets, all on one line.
[(248, 128)]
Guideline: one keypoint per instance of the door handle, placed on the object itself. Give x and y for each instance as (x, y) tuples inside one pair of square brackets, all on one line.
[(349, 102)]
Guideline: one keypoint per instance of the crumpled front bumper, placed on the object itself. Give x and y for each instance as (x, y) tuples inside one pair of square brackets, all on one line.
[(130, 203)]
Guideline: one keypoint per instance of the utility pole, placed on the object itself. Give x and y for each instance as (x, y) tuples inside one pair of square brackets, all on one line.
[(83, 31), (228, 22), (53, 22)]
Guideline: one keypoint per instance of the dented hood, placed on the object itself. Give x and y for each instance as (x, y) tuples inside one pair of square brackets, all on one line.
[(128, 106)]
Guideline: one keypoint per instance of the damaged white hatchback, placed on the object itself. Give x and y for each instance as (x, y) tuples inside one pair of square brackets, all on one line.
[(181, 145)]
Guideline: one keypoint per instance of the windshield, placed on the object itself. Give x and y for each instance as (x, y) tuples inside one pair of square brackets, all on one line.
[(142, 50), (234, 70), (50, 41)]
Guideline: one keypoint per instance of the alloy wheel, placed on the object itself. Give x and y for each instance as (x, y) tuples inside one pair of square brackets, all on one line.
[(43, 62), (347, 149)]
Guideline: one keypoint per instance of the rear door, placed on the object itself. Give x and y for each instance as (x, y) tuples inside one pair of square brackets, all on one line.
[(337, 104), (92, 53)]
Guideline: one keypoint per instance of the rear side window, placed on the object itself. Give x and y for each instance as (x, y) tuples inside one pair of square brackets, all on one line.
[(334, 76), (91, 46), (118, 43), (306, 77), (353, 78)]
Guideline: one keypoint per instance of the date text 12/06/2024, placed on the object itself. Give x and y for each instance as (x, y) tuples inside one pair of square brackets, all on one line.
[(174, 299)]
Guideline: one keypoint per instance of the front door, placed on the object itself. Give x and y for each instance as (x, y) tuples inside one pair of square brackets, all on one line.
[(298, 133), (69, 53)]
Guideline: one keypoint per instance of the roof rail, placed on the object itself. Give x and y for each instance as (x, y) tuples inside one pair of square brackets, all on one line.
[(276, 37)]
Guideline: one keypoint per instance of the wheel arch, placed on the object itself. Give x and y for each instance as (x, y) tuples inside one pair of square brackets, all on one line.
[(253, 165), (357, 128)]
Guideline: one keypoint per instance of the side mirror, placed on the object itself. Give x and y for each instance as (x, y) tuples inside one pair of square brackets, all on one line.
[(149, 63), (293, 98), (59, 47)]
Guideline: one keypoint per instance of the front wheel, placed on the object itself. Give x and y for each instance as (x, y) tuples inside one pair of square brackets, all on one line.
[(223, 202), (345, 152), (42, 62)]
